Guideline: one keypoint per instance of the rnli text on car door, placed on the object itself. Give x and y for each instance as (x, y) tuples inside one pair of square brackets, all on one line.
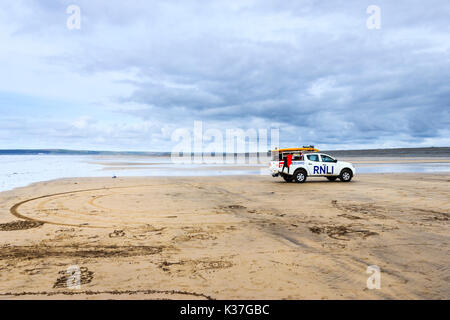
[(312, 162)]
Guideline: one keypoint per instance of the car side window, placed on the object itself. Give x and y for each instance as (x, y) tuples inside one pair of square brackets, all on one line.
[(327, 158), (313, 157)]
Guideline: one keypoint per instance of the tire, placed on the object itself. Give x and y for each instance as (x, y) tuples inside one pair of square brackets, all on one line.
[(346, 175), (300, 176), (332, 178), (288, 178)]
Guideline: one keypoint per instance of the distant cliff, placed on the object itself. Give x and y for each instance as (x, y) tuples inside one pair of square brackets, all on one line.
[(397, 152)]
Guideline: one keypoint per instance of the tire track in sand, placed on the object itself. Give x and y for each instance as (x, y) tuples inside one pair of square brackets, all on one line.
[(14, 209), (110, 292), (97, 223)]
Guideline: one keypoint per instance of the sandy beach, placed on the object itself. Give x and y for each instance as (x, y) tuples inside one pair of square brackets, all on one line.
[(227, 237)]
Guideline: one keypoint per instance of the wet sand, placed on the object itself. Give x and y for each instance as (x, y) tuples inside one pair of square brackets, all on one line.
[(227, 237)]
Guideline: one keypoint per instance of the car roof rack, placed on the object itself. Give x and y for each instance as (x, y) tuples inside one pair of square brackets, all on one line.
[(306, 148)]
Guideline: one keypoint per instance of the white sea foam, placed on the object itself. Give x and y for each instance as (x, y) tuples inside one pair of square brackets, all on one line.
[(21, 170)]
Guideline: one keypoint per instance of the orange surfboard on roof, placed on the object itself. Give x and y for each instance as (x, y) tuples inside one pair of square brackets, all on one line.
[(297, 149)]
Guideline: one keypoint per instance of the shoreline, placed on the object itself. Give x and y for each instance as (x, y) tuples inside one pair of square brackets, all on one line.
[(107, 178), (19, 171)]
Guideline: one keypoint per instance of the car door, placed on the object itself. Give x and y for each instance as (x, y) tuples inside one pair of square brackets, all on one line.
[(313, 164), (328, 165)]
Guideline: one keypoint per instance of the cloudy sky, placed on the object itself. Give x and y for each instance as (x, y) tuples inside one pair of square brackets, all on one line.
[(137, 70)]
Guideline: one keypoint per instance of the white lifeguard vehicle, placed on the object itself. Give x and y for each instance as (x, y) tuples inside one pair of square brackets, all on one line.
[(296, 164)]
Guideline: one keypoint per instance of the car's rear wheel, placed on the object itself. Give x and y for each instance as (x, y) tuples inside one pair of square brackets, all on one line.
[(288, 178), (346, 175), (332, 178), (300, 176)]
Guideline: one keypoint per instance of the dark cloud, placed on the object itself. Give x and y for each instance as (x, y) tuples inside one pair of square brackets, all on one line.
[(312, 68)]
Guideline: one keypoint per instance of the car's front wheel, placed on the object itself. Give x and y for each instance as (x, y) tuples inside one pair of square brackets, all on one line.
[(346, 175), (300, 176)]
